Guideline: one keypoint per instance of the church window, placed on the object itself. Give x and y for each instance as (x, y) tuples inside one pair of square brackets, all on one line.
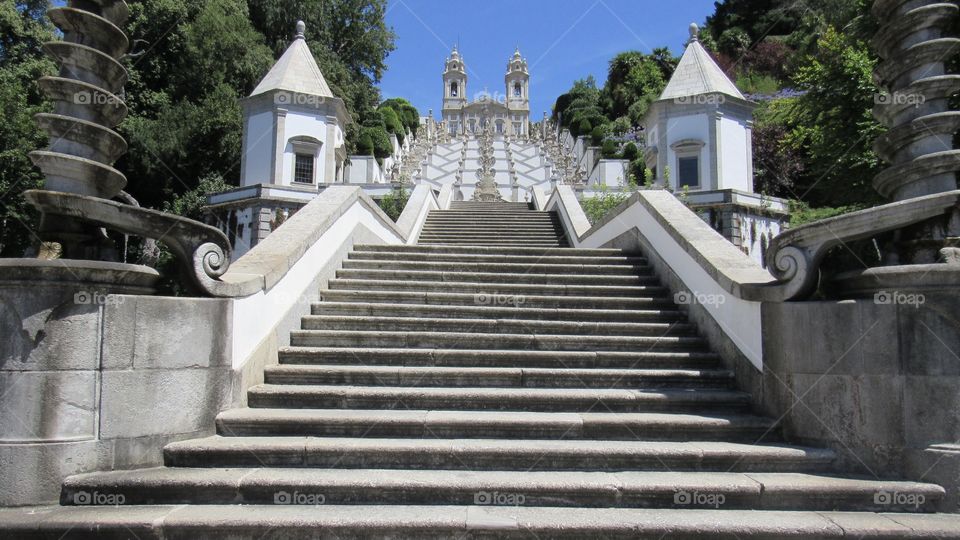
[(517, 90), (454, 89), (688, 173), (303, 169)]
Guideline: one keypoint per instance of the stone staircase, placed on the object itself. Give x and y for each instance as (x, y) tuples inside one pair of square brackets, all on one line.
[(481, 391), (469, 223)]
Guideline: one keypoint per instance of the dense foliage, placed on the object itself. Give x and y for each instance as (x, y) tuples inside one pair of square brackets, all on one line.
[(192, 61), (22, 29), (394, 202)]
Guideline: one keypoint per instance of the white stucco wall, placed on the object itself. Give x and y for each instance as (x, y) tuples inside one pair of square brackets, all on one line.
[(681, 128), (258, 142), (301, 124), (735, 156)]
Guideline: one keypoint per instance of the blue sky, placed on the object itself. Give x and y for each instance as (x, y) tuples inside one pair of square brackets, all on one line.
[(563, 40)]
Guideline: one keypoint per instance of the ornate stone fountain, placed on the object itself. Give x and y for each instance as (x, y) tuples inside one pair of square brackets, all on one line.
[(82, 199)]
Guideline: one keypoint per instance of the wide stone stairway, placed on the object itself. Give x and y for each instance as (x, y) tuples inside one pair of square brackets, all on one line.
[(469, 223), (464, 389)]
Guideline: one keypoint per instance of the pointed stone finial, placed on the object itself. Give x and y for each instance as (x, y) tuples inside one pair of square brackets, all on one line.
[(301, 29), (694, 32)]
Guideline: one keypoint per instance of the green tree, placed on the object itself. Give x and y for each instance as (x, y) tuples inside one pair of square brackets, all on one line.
[(185, 121), (632, 78), (833, 124), (23, 28), (349, 39), (406, 111)]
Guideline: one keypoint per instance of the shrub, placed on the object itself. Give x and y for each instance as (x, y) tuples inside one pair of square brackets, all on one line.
[(365, 143), (609, 149), (584, 127), (374, 141), (394, 202), (631, 152), (393, 124), (597, 135)]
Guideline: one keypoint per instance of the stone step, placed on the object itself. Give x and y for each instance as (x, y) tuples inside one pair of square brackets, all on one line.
[(643, 273), (489, 224), (493, 358), (480, 210), (491, 311), (544, 221), (434, 522), (485, 298), (482, 230), (486, 224), (484, 212), (496, 326), (492, 235), (294, 396), (593, 489), (472, 243), (493, 277), (477, 285), (411, 423), (478, 221), (493, 454), (445, 214), (480, 250), (504, 243), (478, 204), (469, 340), (533, 261), (509, 377)]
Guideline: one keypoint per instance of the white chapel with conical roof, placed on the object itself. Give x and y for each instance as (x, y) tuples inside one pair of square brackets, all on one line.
[(698, 132), (293, 133), (293, 146)]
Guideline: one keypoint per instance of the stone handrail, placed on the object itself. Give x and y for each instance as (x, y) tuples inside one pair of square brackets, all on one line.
[(705, 263), (203, 251), (269, 261), (794, 256), (414, 214), (539, 198), (445, 197)]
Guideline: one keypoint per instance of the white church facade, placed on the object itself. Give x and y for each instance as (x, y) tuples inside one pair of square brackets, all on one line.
[(509, 113)]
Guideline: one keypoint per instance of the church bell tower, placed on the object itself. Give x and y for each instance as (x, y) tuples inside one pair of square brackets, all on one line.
[(517, 82), (454, 91)]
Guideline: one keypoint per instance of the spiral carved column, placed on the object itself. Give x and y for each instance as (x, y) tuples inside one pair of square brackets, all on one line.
[(914, 45), (78, 201), (87, 106)]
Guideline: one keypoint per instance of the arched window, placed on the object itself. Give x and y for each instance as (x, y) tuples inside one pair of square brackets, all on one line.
[(517, 90), (454, 89)]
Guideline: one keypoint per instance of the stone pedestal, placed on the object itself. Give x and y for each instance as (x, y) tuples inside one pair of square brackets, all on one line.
[(877, 379), (94, 375)]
